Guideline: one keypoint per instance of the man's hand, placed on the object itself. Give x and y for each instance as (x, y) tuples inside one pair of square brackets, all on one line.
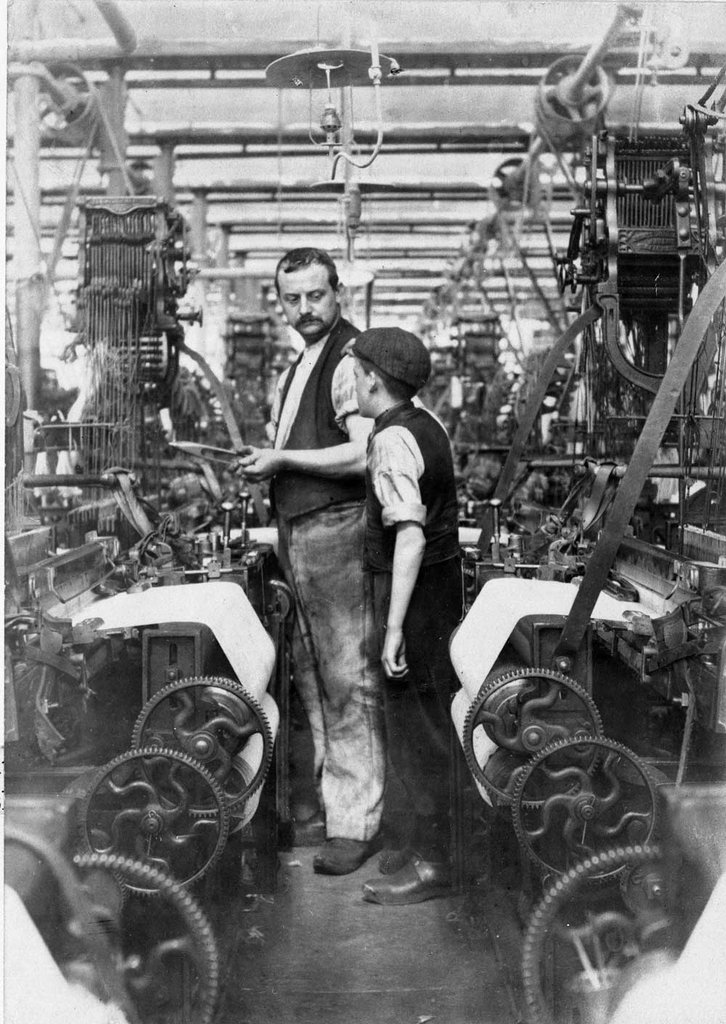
[(394, 653), (259, 463)]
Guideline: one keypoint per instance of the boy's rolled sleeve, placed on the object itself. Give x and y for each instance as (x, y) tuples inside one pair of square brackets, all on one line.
[(396, 465)]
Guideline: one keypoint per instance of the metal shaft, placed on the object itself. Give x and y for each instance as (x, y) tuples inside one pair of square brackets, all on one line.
[(29, 283)]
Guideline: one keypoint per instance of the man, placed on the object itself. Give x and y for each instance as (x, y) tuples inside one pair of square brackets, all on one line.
[(316, 468), (412, 552)]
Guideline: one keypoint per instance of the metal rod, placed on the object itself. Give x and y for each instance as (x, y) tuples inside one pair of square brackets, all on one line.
[(198, 226), (114, 140), (123, 32), (68, 480), (666, 471), (164, 172), (29, 279), (570, 90)]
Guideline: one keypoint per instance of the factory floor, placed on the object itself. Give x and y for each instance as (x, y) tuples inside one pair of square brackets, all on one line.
[(310, 950), (315, 953)]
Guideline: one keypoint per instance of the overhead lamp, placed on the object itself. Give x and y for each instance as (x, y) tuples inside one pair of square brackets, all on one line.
[(335, 69)]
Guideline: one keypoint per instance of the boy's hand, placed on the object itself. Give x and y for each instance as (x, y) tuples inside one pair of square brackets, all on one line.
[(394, 653)]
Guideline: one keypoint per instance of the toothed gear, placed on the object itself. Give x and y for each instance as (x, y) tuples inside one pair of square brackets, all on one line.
[(211, 726), (525, 709), (578, 796), (542, 926), (640, 884), (197, 945), (503, 708), (159, 805)]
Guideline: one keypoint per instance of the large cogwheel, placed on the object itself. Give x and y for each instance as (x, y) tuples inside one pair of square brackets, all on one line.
[(210, 718), (578, 797), (574, 946), (522, 711), (157, 806), (168, 954)]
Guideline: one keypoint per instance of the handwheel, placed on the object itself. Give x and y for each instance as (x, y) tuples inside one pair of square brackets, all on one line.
[(522, 711), (580, 796), (160, 807), (525, 709), (579, 939), (71, 109), (210, 718), (167, 952)]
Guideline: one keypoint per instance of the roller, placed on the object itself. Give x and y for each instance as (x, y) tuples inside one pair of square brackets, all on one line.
[(223, 607)]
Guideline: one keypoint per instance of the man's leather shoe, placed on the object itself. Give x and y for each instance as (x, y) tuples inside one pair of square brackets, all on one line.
[(417, 881), (392, 860), (341, 856)]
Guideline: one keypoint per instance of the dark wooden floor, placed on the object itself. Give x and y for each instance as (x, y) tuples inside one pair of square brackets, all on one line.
[(316, 953)]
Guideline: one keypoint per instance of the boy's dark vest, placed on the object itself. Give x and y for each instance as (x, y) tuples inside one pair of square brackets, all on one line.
[(314, 426), (437, 486)]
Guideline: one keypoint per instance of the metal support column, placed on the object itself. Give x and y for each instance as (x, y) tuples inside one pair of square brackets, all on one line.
[(164, 173), (223, 261), (114, 140), (29, 282), (198, 227)]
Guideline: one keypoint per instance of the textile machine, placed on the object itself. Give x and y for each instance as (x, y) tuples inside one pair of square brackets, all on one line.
[(146, 645), (592, 659)]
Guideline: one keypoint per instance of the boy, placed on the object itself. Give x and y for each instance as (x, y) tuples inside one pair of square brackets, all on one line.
[(412, 551)]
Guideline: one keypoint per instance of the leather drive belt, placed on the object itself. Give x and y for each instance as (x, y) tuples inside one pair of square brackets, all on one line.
[(231, 424), (129, 504), (534, 404), (600, 496), (56, 661)]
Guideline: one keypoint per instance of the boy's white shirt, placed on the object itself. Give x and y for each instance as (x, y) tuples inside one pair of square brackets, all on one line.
[(396, 465)]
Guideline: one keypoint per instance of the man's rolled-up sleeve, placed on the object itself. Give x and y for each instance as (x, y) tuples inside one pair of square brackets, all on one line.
[(345, 399), (396, 466)]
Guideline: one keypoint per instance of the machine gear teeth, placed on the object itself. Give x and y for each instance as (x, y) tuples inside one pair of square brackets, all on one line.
[(601, 748), (540, 732), (140, 736), (540, 924), (147, 878), (216, 813)]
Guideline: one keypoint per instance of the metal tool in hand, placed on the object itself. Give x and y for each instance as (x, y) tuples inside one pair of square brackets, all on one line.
[(205, 451)]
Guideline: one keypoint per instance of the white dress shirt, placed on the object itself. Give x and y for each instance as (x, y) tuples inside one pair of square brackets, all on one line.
[(345, 402)]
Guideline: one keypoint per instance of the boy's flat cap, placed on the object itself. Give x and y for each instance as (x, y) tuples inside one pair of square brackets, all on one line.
[(398, 353)]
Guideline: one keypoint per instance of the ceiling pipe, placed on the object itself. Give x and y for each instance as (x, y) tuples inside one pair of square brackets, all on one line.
[(81, 50), (123, 32)]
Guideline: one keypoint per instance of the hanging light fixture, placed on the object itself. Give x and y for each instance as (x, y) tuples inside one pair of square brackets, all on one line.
[(331, 69)]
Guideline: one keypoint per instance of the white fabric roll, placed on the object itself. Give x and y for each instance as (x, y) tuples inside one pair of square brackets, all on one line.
[(221, 606), (35, 989), (499, 606), (249, 760), (483, 746), (693, 990)]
